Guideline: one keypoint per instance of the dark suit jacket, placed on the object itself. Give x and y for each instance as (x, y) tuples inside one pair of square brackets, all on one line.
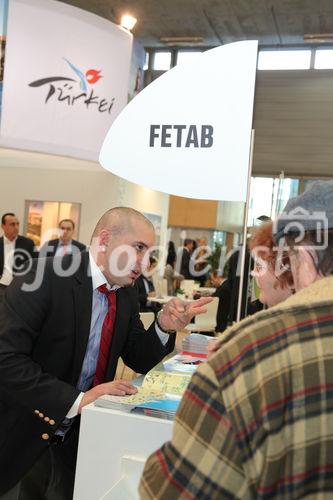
[(185, 265), (142, 293), (223, 292), (53, 246), (234, 280), (144, 303), (43, 340), (24, 247)]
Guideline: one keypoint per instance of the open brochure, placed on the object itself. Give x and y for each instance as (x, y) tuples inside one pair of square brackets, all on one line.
[(161, 390)]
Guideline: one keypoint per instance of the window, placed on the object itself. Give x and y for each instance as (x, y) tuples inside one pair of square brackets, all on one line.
[(162, 60), (185, 56), (219, 237), (146, 63), (284, 59), (42, 219), (324, 59), (269, 196), (260, 198)]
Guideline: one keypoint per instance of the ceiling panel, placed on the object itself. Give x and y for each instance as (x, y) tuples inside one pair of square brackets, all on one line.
[(273, 22)]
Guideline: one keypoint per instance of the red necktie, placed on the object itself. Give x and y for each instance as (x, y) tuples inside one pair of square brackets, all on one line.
[(106, 335)]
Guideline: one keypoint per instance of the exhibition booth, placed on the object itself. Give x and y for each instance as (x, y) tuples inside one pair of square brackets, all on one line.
[(195, 119)]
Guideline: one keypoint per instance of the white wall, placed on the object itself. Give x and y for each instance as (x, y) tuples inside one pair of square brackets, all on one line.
[(97, 191)]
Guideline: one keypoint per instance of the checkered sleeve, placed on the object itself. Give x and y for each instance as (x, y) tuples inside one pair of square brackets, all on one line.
[(202, 451)]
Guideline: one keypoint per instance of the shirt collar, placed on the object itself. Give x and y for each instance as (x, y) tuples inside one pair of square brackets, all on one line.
[(97, 276), (7, 241)]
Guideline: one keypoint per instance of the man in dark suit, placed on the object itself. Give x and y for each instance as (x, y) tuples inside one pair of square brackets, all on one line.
[(146, 289), (15, 251), (64, 244), (60, 339), (234, 271), (186, 259), (223, 292)]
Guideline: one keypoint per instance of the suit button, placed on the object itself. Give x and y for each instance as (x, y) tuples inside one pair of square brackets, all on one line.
[(46, 419), (45, 436), (51, 422)]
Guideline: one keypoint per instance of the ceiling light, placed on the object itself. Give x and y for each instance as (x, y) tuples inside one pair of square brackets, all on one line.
[(182, 40), (318, 37), (128, 21)]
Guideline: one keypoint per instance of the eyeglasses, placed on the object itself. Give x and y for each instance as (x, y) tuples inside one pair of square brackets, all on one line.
[(260, 266)]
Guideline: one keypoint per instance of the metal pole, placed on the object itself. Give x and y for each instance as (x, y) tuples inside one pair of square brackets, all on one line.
[(242, 268)]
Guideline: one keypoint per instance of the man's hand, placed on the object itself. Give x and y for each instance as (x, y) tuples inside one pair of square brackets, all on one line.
[(115, 388), (176, 314)]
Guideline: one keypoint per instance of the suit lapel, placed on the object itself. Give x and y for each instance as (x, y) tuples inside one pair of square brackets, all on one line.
[(16, 247), (18, 243), (82, 297)]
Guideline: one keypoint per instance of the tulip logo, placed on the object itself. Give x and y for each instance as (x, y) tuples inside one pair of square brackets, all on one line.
[(64, 89)]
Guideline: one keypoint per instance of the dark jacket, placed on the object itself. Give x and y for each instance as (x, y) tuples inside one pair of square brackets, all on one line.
[(24, 250), (234, 280), (223, 292), (43, 340), (145, 304), (142, 292), (53, 246), (185, 265)]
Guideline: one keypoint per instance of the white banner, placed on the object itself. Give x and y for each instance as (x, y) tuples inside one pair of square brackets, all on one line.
[(188, 133), (66, 78)]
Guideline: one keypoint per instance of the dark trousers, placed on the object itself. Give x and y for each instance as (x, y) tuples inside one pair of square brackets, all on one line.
[(52, 476)]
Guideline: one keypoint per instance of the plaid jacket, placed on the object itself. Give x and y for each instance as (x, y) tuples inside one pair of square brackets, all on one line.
[(257, 419)]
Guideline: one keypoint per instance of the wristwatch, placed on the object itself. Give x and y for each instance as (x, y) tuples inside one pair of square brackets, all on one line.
[(159, 324)]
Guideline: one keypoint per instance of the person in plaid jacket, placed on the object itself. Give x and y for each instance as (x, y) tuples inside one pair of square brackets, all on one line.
[(256, 420)]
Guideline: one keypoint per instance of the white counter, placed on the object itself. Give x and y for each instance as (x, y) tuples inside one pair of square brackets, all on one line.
[(109, 441)]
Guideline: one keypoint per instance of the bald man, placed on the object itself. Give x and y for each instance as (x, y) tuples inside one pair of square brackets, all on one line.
[(61, 335)]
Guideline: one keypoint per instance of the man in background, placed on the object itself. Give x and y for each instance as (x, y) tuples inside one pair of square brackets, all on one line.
[(256, 419), (64, 244), (15, 251), (146, 290), (186, 259), (223, 293)]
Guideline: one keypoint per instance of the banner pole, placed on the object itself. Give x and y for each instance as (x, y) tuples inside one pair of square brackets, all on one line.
[(243, 251)]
